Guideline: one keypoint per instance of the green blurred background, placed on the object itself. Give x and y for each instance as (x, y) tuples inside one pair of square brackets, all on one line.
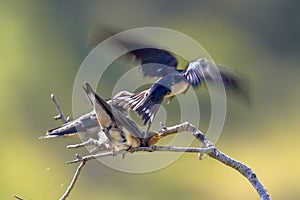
[(43, 45)]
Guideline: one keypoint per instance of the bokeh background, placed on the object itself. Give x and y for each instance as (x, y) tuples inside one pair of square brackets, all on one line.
[(43, 43)]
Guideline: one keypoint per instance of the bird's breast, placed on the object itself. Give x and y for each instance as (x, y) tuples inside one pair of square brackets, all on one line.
[(178, 88), (122, 139), (131, 140)]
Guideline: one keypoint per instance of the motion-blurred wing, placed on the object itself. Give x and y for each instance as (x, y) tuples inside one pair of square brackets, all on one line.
[(161, 61), (204, 70), (155, 62), (235, 83)]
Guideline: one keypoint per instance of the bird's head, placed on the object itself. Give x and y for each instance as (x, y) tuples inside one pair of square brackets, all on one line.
[(153, 139)]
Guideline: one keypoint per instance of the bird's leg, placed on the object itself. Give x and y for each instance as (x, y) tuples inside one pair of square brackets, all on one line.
[(147, 134), (60, 115), (79, 157), (123, 154), (163, 126), (170, 99), (113, 150)]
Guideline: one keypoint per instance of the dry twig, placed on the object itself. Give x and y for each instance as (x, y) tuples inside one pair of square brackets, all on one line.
[(78, 170), (60, 115), (18, 197)]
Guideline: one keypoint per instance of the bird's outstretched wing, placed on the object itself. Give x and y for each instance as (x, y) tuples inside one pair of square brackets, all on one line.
[(205, 70), (236, 83), (156, 62), (201, 70), (162, 61)]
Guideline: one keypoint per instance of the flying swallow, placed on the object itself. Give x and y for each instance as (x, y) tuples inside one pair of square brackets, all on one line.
[(172, 80)]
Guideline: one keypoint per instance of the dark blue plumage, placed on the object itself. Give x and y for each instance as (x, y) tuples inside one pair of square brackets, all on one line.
[(152, 102)]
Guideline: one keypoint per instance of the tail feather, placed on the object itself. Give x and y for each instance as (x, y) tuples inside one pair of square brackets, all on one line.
[(145, 103), (84, 125), (139, 103), (62, 131), (149, 109), (138, 100), (65, 130), (132, 102)]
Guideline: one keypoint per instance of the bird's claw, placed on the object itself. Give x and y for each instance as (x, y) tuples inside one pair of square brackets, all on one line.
[(163, 126), (78, 157)]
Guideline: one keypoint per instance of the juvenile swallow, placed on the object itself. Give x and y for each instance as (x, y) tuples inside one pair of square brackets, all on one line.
[(162, 64), (86, 125), (122, 132)]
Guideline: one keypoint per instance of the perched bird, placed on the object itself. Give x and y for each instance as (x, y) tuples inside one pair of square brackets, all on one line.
[(86, 125), (160, 63), (122, 132)]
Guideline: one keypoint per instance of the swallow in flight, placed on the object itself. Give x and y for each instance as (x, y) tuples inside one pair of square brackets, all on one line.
[(172, 80)]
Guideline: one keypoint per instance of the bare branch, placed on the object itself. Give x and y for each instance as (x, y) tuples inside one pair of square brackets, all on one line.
[(186, 126), (17, 197), (60, 115), (91, 157), (148, 149), (218, 155), (71, 186), (207, 148), (244, 170)]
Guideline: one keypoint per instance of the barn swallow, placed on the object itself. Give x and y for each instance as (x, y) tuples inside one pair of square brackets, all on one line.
[(121, 132), (162, 64), (86, 125)]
